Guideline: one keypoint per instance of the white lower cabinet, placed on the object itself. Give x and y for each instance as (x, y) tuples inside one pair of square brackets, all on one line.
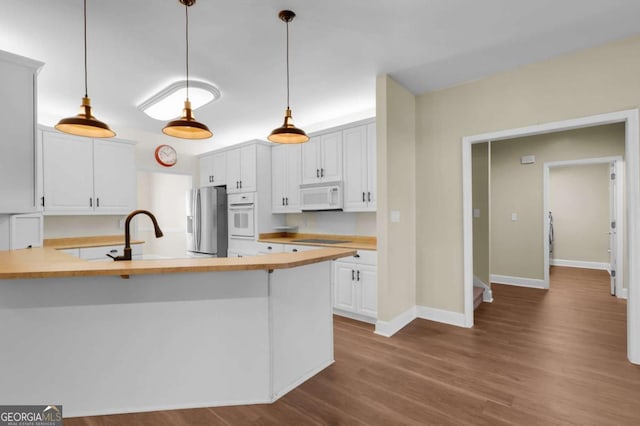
[(355, 286), (268, 248)]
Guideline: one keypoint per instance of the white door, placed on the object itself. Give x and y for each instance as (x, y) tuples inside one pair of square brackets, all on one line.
[(310, 161), (278, 178), (233, 171), (294, 174), (68, 173), (613, 227), (248, 168), (367, 282), (114, 177), (331, 157), (344, 281), (355, 169)]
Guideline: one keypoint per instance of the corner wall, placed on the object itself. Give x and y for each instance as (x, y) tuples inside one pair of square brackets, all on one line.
[(395, 124)]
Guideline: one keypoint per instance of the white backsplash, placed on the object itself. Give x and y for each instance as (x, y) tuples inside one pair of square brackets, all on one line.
[(81, 226), (334, 222)]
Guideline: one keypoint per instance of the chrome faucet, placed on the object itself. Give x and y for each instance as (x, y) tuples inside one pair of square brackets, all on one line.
[(127, 233)]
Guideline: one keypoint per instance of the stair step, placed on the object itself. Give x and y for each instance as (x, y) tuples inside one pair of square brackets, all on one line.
[(477, 296)]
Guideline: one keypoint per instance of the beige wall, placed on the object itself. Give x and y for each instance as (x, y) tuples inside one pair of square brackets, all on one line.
[(579, 200), (517, 247), (480, 187), (395, 129), (595, 81)]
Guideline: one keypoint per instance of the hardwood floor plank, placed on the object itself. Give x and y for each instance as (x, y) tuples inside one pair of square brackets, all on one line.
[(534, 357)]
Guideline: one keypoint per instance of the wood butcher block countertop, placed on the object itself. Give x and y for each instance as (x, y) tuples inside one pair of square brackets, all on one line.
[(352, 241), (47, 262), (82, 242)]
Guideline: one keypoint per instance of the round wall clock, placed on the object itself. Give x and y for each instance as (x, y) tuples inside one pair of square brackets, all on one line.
[(166, 155)]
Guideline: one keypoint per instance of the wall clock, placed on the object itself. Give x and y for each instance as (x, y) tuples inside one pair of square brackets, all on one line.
[(166, 155)]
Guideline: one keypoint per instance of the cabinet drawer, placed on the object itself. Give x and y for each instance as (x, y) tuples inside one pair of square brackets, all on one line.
[(100, 253), (363, 257), (294, 248), (267, 248)]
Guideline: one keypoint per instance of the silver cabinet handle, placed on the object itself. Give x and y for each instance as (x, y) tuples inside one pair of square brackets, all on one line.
[(358, 276), (321, 172), (363, 197), (368, 196), (283, 201), (286, 200), (240, 184), (317, 173), (353, 275), (97, 201), (90, 201)]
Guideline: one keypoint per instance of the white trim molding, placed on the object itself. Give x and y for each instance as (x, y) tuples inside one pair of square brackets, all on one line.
[(487, 294), (441, 315), (354, 316), (580, 264), (622, 294), (391, 327), (518, 281)]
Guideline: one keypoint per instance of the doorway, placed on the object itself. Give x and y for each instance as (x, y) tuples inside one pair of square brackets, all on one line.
[(595, 230), (632, 157)]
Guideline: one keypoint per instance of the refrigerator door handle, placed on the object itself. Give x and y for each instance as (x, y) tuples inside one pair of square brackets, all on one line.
[(198, 220)]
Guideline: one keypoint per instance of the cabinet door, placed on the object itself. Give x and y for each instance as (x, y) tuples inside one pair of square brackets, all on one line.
[(372, 168), (248, 165), (206, 171), (331, 157), (310, 161), (233, 171), (114, 177), (367, 283), (294, 175), (18, 142), (278, 178), (219, 169), (355, 169), (26, 231), (344, 296), (68, 173)]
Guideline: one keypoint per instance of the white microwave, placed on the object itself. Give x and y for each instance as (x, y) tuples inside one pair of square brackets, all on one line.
[(326, 197)]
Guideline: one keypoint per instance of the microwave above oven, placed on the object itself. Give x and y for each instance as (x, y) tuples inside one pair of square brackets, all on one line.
[(325, 197)]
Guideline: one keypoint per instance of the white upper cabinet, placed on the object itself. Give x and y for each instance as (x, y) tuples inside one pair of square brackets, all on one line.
[(285, 178), (87, 176), (213, 169), (359, 149), (114, 177), (241, 169), (322, 159), (18, 142)]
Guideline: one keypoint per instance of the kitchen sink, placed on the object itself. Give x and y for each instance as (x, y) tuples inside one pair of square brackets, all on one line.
[(320, 241)]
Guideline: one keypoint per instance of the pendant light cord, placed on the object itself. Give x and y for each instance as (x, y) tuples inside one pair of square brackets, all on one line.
[(186, 16), (287, 64), (86, 91)]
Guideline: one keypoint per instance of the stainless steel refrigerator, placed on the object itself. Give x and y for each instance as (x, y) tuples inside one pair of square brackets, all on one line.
[(207, 221)]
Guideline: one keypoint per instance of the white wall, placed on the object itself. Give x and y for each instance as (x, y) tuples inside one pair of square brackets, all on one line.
[(334, 222)]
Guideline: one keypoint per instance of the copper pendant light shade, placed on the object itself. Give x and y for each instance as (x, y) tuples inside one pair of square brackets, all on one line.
[(288, 133), (186, 127), (85, 124)]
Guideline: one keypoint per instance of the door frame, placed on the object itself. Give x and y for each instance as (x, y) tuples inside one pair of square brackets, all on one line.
[(617, 160), (632, 185)]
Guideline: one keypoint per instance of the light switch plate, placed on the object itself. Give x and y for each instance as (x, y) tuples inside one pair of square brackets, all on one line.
[(395, 216), (514, 217), (476, 213)]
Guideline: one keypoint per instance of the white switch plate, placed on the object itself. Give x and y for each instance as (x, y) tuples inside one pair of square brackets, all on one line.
[(395, 216), (514, 217), (528, 159), (476, 213)]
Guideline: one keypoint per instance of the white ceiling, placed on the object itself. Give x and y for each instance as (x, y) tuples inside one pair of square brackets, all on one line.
[(337, 49)]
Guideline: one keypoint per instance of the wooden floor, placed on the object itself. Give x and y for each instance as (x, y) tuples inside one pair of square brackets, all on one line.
[(534, 357)]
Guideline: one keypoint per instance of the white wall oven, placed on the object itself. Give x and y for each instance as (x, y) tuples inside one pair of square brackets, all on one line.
[(242, 215)]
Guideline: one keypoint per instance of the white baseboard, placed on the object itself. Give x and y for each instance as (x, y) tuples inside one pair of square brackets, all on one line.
[(518, 281), (440, 315), (580, 264), (353, 316), (389, 328), (623, 293)]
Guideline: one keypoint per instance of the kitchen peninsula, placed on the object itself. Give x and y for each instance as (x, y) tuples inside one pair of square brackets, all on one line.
[(178, 333)]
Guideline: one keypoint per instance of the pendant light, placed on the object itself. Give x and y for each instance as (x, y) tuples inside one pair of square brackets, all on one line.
[(186, 127), (85, 124), (288, 133)]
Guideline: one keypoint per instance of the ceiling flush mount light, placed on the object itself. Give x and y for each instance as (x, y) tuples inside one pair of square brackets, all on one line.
[(288, 133), (186, 127), (162, 105), (85, 124)]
